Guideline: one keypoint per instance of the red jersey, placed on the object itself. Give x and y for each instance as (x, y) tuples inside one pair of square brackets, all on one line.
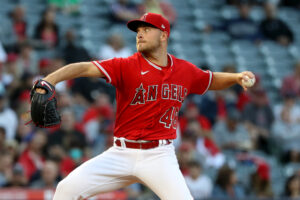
[(149, 96)]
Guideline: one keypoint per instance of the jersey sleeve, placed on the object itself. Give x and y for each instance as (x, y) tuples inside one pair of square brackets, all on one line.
[(200, 80), (111, 69)]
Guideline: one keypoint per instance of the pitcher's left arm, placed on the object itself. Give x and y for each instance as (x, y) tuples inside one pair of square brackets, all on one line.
[(223, 80)]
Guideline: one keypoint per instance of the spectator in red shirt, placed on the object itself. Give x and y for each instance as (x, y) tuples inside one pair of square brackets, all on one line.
[(32, 158), (292, 81), (261, 182), (190, 114), (47, 30), (19, 23)]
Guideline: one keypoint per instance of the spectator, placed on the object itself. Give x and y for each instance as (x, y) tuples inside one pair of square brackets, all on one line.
[(275, 29), (243, 27), (260, 182), (226, 185), (206, 149), (115, 47), (98, 123), (6, 166), (186, 153), (231, 134), (32, 158), (18, 178), (287, 123), (123, 10), (292, 187), (199, 184), (8, 117), (49, 176), (259, 118), (19, 23), (27, 61), (69, 134), (47, 30), (291, 83), (72, 51), (191, 113), (160, 7)]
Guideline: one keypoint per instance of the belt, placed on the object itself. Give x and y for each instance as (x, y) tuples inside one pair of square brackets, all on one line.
[(141, 145)]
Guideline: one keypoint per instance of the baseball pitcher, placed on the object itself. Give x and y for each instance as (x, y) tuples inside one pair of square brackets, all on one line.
[(151, 86)]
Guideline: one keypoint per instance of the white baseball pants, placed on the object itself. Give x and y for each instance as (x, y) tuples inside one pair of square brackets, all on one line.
[(119, 167)]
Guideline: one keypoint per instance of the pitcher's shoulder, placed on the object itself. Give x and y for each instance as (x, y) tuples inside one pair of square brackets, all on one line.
[(134, 56), (181, 62)]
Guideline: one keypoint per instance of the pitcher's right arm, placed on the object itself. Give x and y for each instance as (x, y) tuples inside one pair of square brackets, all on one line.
[(74, 70)]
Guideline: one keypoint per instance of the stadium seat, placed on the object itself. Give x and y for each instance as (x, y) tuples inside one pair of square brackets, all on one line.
[(257, 13), (6, 7), (202, 14), (229, 12), (215, 38), (92, 10)]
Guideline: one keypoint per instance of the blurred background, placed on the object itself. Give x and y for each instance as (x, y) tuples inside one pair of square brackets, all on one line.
[(231, 144)]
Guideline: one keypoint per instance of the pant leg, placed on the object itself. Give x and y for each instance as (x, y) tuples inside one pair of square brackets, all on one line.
[(158, 169), (106, 172)]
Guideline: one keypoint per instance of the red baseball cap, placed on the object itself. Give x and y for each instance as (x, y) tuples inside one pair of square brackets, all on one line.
[(153, 19)]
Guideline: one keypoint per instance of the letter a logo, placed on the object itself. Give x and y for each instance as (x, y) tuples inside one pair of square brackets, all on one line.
[(139, 97)]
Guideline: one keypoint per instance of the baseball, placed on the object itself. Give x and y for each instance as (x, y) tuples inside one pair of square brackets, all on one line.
[(248, 82)]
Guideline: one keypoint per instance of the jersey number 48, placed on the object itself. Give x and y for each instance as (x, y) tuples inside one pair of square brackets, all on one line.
[(169, 118)]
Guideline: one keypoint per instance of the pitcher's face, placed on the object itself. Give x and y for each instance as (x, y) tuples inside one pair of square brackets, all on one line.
[(148, 39)]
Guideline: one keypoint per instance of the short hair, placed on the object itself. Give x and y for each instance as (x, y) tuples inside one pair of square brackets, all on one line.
[(223, 177)]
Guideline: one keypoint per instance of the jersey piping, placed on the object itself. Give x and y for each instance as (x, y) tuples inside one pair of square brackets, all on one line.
[(97, 64)]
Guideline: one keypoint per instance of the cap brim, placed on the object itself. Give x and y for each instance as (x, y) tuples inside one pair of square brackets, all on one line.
[(134, 24)]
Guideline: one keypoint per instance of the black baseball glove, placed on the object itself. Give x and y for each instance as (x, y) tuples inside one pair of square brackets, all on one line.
[(43, 106)]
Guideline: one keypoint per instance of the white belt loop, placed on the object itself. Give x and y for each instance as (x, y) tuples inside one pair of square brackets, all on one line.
[(160, 143), (115, 139), (122, 140)]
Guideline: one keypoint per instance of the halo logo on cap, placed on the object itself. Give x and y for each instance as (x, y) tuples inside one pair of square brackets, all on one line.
[(153, 19), (144, 17)]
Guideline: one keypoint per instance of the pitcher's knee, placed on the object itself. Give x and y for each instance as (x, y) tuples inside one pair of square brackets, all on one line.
[(66, 190)]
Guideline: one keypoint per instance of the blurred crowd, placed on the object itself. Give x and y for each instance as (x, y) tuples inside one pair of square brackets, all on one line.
[(219, 133)]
